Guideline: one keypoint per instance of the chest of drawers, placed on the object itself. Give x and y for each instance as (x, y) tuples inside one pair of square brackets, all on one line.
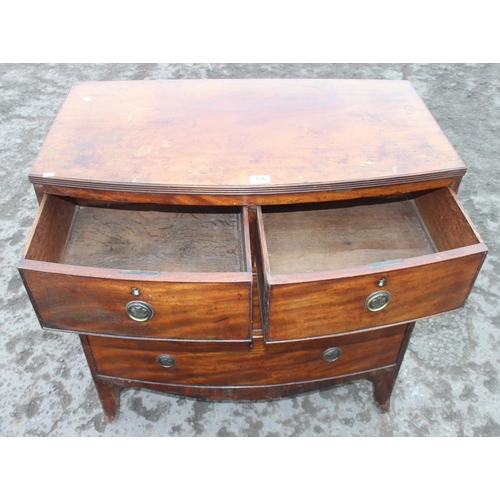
[(246, 239)]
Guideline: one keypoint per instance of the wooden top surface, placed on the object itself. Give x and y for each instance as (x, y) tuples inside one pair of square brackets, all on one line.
[(243, 137)]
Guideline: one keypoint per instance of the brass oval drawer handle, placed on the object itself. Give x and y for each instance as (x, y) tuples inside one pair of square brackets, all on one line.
[(139, 310), (166, 360), (332, 354), (377, 301)]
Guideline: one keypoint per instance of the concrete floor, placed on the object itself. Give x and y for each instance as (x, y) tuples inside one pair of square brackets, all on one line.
[(449, 381)]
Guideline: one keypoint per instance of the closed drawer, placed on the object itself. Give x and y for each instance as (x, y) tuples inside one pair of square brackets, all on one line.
[(147, 271), (348, 266), (226, 364)]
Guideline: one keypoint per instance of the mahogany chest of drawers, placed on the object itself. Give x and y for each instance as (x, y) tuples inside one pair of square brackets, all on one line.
[(246, 239)]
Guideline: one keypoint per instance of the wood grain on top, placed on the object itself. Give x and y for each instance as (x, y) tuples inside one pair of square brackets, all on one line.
[(211, 136)]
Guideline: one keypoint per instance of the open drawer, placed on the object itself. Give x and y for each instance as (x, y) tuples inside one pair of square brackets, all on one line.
[(140, 270), (347, 266)]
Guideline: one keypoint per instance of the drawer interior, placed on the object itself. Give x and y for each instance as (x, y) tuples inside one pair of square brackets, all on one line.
[(146, 237), (330, 236)]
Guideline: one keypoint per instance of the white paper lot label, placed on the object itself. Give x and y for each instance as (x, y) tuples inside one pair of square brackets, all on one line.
[(259, 179)]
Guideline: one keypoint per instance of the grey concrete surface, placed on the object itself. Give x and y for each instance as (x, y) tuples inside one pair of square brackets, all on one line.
[(449, 381)]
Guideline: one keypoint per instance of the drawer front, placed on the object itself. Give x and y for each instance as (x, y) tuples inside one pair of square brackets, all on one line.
[(226, 364), (325, 307), (185, 310)]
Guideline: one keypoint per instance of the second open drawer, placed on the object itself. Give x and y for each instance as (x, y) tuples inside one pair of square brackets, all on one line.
[(353, 265)]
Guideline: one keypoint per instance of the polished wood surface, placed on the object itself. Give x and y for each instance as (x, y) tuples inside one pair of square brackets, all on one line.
[(255, 217), (109, 393), (328, 306), (209, 364), (383, 380), (311, 301), (188, 310), (86, 195), (207, 299), (215, 136)]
